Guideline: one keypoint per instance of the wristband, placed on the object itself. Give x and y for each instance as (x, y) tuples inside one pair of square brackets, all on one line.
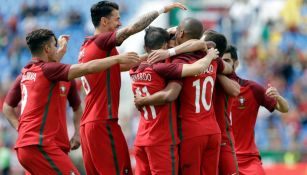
[(171, 52)]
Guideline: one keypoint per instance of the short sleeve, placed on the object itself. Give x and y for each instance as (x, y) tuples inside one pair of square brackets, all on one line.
[(262, 99), (168, 70), (73, 96), (106, 40), (13, 97), (56, 71), (220, 65)]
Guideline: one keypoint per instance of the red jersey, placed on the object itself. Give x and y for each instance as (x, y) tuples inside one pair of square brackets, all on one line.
[(244, 113), (158, 124), (68, 91), (196, 114), (222, 106), (102, 89), (39, 120)]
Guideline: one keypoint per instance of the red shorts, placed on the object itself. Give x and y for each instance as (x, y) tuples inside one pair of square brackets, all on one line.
[(250, 165), (156, 160), (228, 161), (104, 148), (200, 155), (45, 160)]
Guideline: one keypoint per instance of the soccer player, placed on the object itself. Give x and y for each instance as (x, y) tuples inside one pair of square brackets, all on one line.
[(68, 91), (156, 150), (200, 133), (38, 124), (104, 147), (222, 102), (244, 113)]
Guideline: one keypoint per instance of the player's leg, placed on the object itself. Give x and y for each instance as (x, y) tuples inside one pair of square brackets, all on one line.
[(86, 154), (190, 154), (50, 160), (211, 155), (142, 164), (250, 165), (227, 163), (108, 148), (163, 160)]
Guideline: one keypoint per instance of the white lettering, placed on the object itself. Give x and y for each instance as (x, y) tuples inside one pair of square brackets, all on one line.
[(141, 77), (29, 76)]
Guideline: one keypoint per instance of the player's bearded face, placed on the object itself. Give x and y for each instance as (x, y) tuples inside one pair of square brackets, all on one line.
[(113, 21)]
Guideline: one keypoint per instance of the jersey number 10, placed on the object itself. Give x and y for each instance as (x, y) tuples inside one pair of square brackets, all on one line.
[(202, 90)]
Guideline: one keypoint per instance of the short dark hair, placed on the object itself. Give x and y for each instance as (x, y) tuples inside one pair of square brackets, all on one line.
[(102, 9), (38, 38), (219, 39), (233, 52), (193, 28), (155, 37)]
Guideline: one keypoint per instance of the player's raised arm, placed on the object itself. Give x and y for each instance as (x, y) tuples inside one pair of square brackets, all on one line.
[(199, 66), (282, 104), (62, 42), (231, 87), (143, 22), (127, 66), (94, 66), (167, 95), (188, 46)]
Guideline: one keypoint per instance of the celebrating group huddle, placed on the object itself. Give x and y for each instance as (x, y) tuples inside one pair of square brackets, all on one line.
[(196, 115)]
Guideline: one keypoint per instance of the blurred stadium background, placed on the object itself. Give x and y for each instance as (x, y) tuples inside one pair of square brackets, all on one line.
[(271, 36)]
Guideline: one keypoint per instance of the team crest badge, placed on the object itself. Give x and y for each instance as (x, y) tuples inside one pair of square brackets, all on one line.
[(62, 90), (242, 101)]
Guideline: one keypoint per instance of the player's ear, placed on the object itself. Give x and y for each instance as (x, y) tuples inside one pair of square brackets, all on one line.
[(181, 34), (103, 21), (46, 48)]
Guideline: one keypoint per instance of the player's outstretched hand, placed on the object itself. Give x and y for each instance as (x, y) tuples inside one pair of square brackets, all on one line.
[(212, 53), (272, 92), (174, 5), (157, 55), (128, 58), (75, 142)]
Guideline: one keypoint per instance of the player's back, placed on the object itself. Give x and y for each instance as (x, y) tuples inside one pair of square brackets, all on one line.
[(158, 124), (39, 114), (102, 89), (196, 108), (244, 114)]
